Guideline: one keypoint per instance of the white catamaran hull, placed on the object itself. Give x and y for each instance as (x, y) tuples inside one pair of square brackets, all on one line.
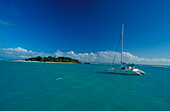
[(126, 71)]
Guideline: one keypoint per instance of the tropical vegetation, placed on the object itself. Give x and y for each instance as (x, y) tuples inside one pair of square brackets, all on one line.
[(53, 59)]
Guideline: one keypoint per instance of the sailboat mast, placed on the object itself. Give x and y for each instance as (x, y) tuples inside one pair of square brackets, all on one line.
[(122, 46)]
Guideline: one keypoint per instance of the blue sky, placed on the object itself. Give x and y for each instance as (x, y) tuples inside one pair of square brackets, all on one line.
[(85, 26)]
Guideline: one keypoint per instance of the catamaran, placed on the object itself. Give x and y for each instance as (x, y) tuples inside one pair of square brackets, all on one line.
[(125, 69)]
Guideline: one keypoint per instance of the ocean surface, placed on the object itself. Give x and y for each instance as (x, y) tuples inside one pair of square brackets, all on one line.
[(81, 87)]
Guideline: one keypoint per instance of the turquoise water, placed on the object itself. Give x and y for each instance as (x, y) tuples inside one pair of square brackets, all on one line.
[(81, 87)]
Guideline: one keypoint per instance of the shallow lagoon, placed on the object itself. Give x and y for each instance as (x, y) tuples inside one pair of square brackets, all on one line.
[(81, 87)]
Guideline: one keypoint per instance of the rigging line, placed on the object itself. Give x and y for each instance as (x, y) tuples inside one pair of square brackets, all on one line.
[(116, 51)]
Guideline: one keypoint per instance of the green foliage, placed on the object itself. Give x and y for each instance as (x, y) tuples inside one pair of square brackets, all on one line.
[(39, 58), (45, 59), (53, 59)]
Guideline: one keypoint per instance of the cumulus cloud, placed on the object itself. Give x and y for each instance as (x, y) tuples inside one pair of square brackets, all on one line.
[(107, 57), (101, 56), (19, 53)]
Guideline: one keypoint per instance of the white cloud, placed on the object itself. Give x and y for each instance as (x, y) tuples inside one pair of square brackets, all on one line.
[(19, 53), (59, 53), (101, 56), (107, 57)]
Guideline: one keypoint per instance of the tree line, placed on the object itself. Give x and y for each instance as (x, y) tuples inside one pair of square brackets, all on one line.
[(52, 59)]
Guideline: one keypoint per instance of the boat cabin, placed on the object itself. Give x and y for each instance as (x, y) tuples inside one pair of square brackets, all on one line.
[(127, 67)]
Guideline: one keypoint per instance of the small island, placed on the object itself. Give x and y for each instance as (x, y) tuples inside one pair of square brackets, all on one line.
[(87, 63), (53, 59)]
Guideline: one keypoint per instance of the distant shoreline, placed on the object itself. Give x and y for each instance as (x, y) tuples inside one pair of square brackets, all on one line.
[(51, 59), (43, 61), (76, 63)]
